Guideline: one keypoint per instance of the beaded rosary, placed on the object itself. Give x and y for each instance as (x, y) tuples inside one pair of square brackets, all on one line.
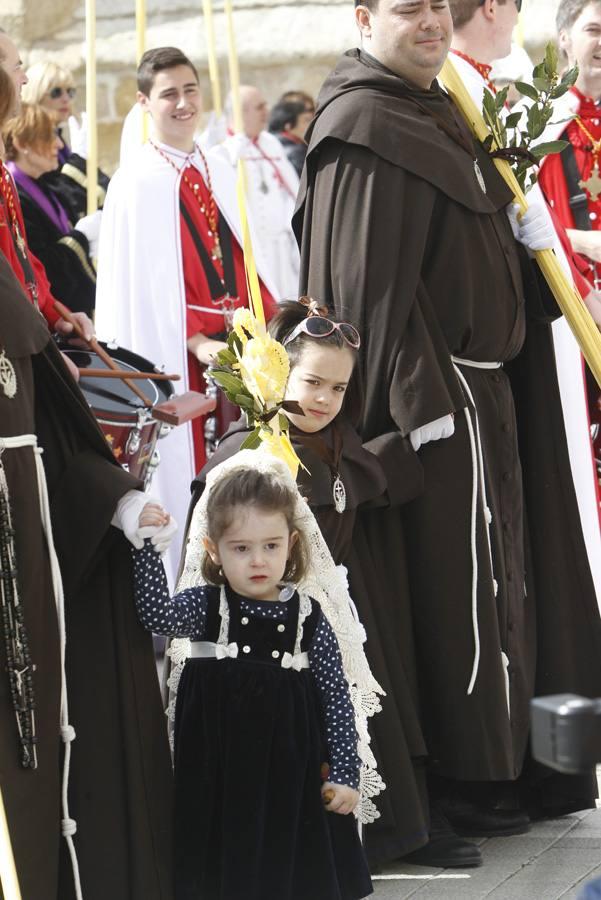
[(18, 659), (8, 202), (593, 182), (7, 196), (210, 214)]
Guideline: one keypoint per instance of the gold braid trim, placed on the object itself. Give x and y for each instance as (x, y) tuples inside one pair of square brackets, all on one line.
[(81, 179), (80, 253)]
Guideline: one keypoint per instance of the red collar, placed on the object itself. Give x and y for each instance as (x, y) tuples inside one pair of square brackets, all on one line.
[(292, 137), (483, 69), (588, 108)]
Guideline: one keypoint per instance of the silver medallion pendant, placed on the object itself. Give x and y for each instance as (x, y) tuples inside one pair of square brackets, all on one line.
[(480, 176), (8, 377), (339, 494)]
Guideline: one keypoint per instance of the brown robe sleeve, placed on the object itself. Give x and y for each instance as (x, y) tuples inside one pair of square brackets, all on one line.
[(85, 482)]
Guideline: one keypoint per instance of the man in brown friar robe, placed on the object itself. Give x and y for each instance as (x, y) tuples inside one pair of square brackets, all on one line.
[(404, 230), (120, 773)]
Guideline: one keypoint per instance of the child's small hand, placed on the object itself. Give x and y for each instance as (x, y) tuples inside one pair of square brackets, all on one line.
[(339, 798), (153, 515)]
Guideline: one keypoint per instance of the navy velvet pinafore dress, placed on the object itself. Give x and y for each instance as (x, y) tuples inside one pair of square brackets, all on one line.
[(249, 745)]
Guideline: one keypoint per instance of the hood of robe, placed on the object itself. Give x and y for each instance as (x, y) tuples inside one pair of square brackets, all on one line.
[(364, 103)]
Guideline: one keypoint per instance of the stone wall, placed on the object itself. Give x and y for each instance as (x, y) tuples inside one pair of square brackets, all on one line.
[(282, 44)]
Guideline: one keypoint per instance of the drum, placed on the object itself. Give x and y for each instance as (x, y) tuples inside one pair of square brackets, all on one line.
[(224, 414), (129, 427)]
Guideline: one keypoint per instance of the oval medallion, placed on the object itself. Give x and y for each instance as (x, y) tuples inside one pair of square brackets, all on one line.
[(339, 494)]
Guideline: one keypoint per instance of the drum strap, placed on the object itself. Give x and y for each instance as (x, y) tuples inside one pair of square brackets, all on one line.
[(218, 286)]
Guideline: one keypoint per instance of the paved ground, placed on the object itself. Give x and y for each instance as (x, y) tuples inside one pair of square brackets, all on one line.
[(554, 860)]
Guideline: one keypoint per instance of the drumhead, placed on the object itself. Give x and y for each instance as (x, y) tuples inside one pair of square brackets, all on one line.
[(112, 397)]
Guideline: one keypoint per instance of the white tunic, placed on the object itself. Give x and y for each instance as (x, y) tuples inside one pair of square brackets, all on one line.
[(140, 298)]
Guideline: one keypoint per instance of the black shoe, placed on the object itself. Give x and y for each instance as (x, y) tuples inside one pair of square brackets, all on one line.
[(472, 820), (445, 850)]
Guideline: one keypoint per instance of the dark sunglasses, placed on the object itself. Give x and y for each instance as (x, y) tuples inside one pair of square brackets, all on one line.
[(317, 325), (518, 3), (57, 92)]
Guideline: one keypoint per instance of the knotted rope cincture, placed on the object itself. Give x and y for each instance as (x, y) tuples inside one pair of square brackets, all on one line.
[(67, 732), (478, 489)]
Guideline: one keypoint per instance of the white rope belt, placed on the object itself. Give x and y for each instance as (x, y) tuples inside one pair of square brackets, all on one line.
[(475, 364), (67, 732), (478, 487)]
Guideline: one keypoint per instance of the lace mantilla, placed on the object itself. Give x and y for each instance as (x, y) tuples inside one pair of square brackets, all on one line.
[(324, 582)]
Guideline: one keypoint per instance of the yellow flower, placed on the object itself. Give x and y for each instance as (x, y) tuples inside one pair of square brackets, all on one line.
[(264, 368), (244, 324)]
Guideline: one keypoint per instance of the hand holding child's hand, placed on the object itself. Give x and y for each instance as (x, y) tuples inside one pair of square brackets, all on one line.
[(154, 522), (153, 514), (339, 798)]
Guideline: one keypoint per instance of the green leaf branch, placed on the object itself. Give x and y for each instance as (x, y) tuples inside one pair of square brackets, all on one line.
[(515, 134)]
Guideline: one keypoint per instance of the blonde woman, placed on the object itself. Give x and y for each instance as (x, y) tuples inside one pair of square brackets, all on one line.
[(53, 87)]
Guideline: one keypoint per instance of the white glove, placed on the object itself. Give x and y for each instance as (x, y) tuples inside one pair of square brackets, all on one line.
[(237, 146), (127, 516), (90, 226), (433, 431), (160, 537), (534, 230), (78, 132)]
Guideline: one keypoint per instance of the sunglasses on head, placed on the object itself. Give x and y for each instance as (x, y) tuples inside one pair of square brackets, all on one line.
[(518, 3), (57, 92), (317, 325)]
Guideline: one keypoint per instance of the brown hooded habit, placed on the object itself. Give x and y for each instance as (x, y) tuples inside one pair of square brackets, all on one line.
[(398, 235), (120, 780)]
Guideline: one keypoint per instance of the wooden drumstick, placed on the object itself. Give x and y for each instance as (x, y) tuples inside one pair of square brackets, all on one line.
[(68, 316), (123, 374)]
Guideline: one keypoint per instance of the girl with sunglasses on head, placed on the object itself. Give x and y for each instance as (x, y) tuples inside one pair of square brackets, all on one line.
[(53, 87), (340, 474)]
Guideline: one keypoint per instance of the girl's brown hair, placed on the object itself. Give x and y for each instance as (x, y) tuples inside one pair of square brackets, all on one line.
[(32, 128), (245, 488)]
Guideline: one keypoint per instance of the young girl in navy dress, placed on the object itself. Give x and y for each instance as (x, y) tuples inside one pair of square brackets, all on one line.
[(262, 704)]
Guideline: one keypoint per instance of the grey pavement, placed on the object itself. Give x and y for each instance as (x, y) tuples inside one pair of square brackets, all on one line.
[(554, 860)]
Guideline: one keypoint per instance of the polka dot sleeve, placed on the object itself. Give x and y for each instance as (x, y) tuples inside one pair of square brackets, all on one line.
[(183, 616), (326, 664)]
